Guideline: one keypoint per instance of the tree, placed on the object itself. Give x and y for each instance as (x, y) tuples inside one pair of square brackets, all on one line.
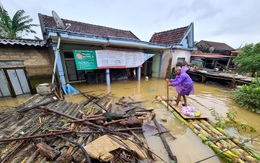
[(15, 27), (249, 96), (249, 60)]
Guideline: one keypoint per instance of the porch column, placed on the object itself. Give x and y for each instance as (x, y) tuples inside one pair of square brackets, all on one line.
[(59, 65), (160, 66), (108, 76), (139, 74)]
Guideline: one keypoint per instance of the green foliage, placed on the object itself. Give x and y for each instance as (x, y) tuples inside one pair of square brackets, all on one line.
[(230, 121), (249, 60), (249, 96), (15, 27)]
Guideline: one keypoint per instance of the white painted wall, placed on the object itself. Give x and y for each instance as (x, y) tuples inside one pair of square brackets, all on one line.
[(177, 53), (165, 62)]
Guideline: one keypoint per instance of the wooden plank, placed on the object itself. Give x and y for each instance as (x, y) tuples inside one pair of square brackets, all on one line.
[(178, 110), (48, 151)]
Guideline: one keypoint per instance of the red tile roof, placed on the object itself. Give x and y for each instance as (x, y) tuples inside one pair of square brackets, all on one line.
[(173, 36), (48, 22), (217, 45)]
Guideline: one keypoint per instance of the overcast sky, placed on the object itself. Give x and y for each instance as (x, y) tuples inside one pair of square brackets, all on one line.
[(231, 21)]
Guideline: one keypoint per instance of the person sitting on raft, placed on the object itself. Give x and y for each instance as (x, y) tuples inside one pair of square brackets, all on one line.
[(183, 84)]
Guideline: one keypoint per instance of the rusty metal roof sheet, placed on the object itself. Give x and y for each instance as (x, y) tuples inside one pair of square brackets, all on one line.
[(211, 55)]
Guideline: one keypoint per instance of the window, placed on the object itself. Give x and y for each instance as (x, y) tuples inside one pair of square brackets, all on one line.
[(72, 72)]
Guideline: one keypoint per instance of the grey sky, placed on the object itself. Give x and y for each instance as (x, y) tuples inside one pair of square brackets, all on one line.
[(229, 21)]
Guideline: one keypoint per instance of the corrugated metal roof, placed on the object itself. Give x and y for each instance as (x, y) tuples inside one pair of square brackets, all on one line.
[(211, 55), (27, 42)]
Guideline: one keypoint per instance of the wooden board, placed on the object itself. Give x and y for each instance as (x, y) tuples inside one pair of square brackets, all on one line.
[(178, 110)]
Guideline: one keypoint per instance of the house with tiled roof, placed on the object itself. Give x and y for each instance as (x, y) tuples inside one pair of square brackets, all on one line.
[(48, 23), (214, 47), (112, 49), (181, 43), (213, 55), (105, 49)]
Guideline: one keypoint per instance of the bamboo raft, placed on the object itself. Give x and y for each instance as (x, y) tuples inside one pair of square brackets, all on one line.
[(230, 149), (98, 129)]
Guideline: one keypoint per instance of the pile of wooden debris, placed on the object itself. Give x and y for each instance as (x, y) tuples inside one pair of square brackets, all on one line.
[(99, 129)]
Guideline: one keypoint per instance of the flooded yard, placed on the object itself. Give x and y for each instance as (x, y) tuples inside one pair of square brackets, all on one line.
[(187, 146)]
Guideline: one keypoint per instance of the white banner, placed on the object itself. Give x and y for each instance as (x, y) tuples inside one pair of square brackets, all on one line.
[(120, 59)]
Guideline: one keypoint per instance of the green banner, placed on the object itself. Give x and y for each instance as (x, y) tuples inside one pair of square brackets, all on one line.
[(85, 59)]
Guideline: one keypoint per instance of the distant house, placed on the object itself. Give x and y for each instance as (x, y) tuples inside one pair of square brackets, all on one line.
[(214, 47), (23, 64), (180, 42), (213, 55)]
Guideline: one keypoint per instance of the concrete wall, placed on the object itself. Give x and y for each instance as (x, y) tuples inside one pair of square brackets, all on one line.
[(180, 54), (169, 60), (166, 59), (37, 60)]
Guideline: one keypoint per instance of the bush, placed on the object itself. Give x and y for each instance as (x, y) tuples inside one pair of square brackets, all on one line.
[(249, 96)]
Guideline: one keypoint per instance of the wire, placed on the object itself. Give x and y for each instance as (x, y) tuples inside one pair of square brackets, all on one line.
[(228, 149)]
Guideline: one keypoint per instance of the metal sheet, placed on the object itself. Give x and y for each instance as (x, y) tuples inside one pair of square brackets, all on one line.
[(15, 81), (4, 91), (23, 80)]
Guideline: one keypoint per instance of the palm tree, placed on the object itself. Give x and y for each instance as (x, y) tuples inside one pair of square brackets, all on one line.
[(15, 27)]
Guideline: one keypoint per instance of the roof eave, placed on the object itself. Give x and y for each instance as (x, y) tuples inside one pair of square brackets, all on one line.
[(101, 40)]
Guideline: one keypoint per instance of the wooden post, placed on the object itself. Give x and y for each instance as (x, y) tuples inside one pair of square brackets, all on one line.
[(165, 143), (203, 78), (167, 87), (233, 83)]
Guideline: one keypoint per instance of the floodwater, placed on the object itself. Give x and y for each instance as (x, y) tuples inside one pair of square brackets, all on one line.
[(187, 146)]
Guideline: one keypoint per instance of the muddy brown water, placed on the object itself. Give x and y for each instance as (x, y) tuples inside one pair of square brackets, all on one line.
[(187, 146)]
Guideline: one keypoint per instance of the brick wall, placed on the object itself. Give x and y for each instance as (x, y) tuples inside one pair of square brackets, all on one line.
[(38, 61)]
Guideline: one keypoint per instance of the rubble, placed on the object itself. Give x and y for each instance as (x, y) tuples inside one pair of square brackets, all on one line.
[(99, 129)]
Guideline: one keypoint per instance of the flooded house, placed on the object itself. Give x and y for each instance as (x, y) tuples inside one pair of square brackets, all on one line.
[(79, 52), (94, 54), (23, 64), (116, 52), (180, 42), (212, 55)]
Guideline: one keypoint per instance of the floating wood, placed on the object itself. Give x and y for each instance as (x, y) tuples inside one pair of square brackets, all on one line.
[(133, 122), (165, 143), (48, 151), (150, 118)]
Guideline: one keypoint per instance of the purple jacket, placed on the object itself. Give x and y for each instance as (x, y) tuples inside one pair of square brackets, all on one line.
[(183, 82)]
